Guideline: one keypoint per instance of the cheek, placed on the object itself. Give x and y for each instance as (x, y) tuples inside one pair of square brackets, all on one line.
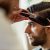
[(34, 31)]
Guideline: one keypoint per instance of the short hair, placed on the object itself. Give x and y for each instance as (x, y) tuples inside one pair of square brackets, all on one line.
[(39, 7)]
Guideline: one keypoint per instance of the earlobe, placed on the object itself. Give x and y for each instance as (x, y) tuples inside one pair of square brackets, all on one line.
[(47, 30)]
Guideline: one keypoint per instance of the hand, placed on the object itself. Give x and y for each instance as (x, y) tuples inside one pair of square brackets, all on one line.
[(16, 17)]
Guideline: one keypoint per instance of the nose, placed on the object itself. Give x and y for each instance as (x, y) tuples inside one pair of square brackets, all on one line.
[(31, 31), (28, 29)]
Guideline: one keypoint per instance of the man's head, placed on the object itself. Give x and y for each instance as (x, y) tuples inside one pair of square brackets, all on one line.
[(37, 33)]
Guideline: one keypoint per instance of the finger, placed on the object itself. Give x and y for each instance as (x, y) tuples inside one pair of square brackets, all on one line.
[(24, 14)]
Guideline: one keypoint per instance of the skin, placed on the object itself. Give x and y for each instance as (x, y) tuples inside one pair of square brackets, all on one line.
[(39, 36)]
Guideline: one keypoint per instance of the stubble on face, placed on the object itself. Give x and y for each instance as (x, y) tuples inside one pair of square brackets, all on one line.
[(41, 39)]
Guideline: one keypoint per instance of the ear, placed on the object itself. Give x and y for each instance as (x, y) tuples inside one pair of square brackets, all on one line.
[(47, 30)]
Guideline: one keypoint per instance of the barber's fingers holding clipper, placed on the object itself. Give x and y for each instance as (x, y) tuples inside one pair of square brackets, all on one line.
[(15, 16)]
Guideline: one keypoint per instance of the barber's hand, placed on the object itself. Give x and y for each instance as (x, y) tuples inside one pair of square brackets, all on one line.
[(15, 16)]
